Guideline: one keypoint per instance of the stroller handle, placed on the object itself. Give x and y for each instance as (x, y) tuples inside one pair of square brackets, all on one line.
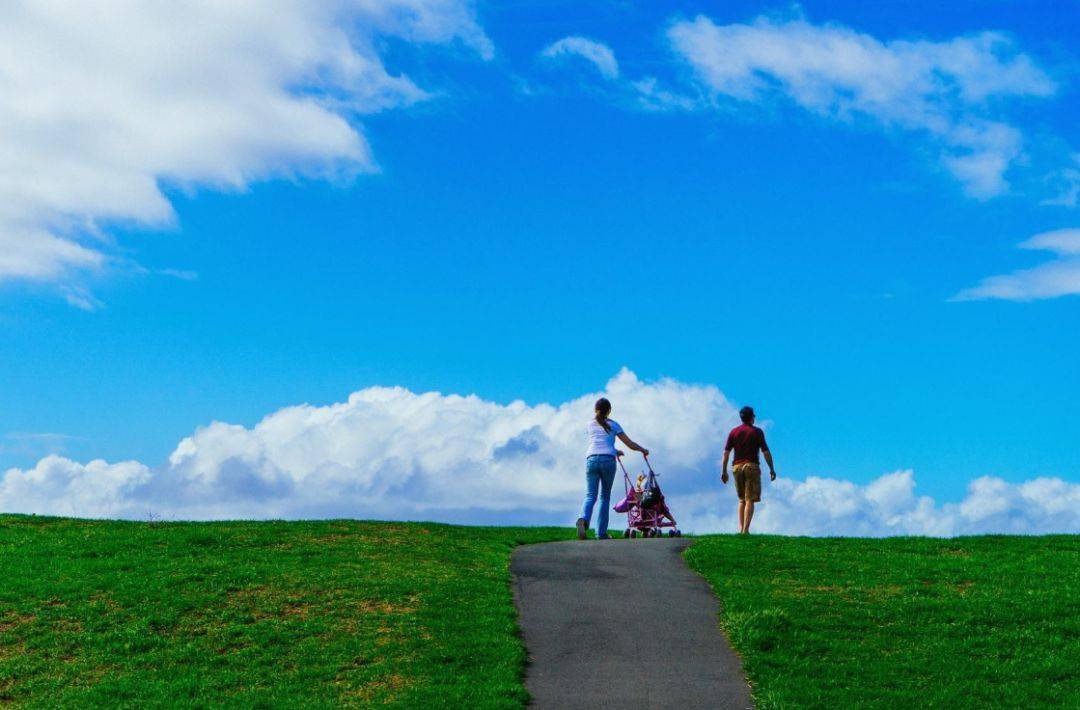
[(619, 459)]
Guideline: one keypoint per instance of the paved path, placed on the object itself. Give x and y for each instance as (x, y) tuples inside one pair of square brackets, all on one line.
[(622, 624)]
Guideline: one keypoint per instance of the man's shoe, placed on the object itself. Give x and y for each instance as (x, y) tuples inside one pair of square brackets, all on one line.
[(605, 536), (582, 526)]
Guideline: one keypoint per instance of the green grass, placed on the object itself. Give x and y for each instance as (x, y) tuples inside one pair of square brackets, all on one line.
[(258, 614), (335, 613), (902, 622)]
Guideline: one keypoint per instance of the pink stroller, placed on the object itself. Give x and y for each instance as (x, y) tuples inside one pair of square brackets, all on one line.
[(646, 511)]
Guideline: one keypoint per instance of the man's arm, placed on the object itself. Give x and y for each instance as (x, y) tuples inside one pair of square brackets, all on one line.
[(768, 460), (723, 466)]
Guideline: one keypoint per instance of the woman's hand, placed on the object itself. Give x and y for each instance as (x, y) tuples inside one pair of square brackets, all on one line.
[(634, 446), (619, 453)]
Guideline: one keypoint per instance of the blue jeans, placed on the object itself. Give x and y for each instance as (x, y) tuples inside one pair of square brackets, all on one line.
[(599, 473)]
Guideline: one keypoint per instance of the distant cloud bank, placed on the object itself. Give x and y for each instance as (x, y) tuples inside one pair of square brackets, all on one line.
[(390, 453)]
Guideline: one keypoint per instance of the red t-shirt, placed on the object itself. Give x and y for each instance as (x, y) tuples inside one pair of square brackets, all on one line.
[(747, 440)]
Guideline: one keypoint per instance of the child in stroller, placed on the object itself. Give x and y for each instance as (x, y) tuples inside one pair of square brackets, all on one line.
[(646, 510)]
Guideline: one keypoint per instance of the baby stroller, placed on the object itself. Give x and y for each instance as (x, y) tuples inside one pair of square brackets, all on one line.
[(646, 511)]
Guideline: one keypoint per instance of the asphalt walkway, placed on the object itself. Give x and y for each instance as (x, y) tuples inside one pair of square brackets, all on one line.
[(622, 624)]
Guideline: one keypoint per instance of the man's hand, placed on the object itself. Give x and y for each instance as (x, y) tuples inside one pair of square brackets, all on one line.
[(723, 477), (772, 474), (644, 451), (619, 452)]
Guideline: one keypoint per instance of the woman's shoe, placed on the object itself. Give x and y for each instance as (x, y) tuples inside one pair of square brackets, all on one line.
[(605, 536), (582, 526)]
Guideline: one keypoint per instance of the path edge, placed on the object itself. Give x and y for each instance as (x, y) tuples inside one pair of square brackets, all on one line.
[(720, 615)]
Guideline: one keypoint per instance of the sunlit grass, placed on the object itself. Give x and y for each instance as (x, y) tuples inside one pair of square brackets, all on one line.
[(258, 614), (421, 615), (901, 623)]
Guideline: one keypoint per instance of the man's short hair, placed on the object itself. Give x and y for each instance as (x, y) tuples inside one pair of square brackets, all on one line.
[(746, 414)]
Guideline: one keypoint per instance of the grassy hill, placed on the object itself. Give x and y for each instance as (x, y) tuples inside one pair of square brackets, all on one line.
[(972, 622), (421, 615), (258, 614)]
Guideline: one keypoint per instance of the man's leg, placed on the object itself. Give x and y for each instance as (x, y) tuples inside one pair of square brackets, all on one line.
[(751, 493), (738, 471), (748, 516)]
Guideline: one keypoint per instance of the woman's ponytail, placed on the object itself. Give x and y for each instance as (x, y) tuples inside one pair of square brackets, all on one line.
[(603, 409)]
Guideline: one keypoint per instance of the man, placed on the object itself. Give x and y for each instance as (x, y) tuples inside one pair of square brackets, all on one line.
[(747, 440)]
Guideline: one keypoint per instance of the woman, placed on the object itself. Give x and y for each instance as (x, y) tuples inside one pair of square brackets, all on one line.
[(600, 467)]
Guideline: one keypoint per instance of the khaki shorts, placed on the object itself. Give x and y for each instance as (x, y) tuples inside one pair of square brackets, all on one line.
[(747, 481)]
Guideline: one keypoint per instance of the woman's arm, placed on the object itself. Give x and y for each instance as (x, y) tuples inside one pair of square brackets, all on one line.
[(626, 440)]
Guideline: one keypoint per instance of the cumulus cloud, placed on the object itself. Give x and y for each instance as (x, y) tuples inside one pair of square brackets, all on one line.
[(390, 453), (950, 91), (596, 53), (1060, 277), (105, 105)]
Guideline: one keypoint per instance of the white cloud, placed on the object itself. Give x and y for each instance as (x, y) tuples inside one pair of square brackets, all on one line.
[(889, 506), (1066, 184), (596, 53), (1060, 277), (646, 93), (182, 274), (391, 453), (59, 486), (949, 90), (35, 444), (35, 253), (1065, 242), (652, 96), (104, 105)]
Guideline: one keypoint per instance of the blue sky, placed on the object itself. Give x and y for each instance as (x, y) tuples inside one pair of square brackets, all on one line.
[(532, 228)]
